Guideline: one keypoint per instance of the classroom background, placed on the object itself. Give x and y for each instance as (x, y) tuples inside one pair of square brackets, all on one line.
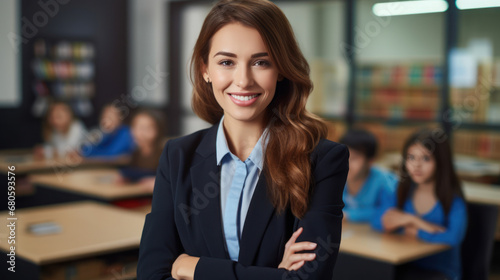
[(389, 69)]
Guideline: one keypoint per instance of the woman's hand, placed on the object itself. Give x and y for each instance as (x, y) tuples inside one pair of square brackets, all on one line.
[(411, 231), (184, 267), (120, 180), (426, 226), (148, 183), (38, 152), (394, 219), (292, 260)]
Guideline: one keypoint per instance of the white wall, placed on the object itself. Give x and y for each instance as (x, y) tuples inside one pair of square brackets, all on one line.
[(319, 29), (192, 20), (398, 38), (480, 24), (10, 50), (148, 46)]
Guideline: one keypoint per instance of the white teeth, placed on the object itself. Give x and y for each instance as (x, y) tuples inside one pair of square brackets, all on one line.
[(244, 98)]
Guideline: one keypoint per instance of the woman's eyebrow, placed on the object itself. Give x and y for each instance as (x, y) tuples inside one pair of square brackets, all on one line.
[(225, 54), (262, 54), (259, 54)]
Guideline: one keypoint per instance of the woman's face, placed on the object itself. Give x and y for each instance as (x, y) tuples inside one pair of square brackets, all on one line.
[(144, 130), (110, 119), (359, 165), (60, 117), (242, 74), (420, 164)]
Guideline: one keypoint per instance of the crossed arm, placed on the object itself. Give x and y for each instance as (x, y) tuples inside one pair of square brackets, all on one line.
[(164, 259), (185, 265)]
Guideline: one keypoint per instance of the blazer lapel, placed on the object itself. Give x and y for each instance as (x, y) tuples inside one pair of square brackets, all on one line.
[(205, 176), (258, 216)]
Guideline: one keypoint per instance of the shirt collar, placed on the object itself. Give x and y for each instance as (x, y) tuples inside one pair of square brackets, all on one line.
[(257, 154)]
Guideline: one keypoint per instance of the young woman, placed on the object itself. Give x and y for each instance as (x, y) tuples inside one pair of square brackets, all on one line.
[(62, 131), (429, 203), (147, 128), (259, 194)]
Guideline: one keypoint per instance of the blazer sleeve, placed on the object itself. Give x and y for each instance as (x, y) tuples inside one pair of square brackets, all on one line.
[(322, 224), (160, 242)]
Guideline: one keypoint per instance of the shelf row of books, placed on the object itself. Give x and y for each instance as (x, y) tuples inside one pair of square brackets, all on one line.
[(484, 144), (406, 75), (480, 144), (64, 49), (65, 89), (398, 104), (55, 70), (480, 102), (391, 138)]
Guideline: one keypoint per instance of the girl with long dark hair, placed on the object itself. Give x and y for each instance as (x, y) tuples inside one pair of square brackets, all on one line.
[(429, 203)]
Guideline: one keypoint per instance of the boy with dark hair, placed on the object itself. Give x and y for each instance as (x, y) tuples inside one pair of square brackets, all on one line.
[(366, 185)]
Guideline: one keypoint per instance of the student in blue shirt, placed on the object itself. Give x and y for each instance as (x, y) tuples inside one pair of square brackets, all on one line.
[(114, 138), (428, 205), (366, 185)]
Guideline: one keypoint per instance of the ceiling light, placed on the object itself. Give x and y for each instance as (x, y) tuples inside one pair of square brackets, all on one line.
[(477, 4), (409, 7)]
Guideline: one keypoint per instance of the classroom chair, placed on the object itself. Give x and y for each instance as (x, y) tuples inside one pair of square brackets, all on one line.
[(478, 244)]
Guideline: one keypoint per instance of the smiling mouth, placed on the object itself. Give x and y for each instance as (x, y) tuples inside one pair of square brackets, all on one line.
[(244, 97)]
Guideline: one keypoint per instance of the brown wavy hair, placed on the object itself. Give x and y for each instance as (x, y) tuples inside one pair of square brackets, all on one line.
[(447, 183), (293, 131)]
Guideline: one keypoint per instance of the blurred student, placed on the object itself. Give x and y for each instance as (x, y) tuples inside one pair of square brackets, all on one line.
[(148, 133), (116, 138), (62, 131), (429, 204), (366, 184)]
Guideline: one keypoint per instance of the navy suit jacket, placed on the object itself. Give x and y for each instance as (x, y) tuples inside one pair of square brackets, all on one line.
[(186, 217)]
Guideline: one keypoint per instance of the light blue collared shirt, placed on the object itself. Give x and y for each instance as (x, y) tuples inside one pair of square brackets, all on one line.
[(228, 162)]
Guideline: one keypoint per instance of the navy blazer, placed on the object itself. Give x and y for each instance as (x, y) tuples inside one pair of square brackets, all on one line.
[(186, 217)]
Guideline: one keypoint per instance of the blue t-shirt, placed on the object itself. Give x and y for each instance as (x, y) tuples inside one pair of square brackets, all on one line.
[(362, 206), (449, 261), (118, 142)]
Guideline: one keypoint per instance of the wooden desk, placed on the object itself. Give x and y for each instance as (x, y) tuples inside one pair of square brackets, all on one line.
[(96, 183), (361, 240), (368, 254), (481, 193), (25, 163), (88, 229)]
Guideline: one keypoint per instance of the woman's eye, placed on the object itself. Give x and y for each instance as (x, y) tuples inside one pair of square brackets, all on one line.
[(226, 63), (264, 63), (427, 158)]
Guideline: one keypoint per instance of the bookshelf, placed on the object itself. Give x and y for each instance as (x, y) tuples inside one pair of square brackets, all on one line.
[(481, 102), (407, 91), (395, 99), (65, 70)]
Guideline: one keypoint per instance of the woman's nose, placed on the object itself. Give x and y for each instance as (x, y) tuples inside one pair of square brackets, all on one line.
[(243, 77)]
